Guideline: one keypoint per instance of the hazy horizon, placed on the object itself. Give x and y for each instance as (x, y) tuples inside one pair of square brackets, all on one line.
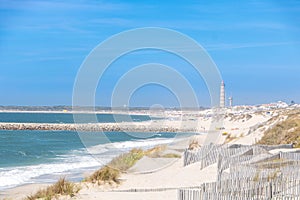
[(136, 107)]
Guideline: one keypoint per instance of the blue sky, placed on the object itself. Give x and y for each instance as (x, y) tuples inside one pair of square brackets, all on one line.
[(255, 44)]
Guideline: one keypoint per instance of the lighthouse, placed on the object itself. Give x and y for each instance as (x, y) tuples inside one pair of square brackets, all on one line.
[(222, 95)]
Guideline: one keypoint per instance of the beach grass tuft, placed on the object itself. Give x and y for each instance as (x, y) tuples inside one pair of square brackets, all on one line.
[(126, 160), (61, 187), (194, 144), (105, 175), (156, 151), (112, 171), (230, 138), (171, 155)]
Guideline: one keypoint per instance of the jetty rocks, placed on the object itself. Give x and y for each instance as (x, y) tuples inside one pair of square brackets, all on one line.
[(105, 127)]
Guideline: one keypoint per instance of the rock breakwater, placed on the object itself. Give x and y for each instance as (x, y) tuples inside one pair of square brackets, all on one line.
[(106, 127)]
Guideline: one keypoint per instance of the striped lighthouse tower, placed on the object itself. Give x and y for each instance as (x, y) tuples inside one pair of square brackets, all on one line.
[(222, 95)]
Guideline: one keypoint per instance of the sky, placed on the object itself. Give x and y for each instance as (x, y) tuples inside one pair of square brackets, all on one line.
[(255, 45)]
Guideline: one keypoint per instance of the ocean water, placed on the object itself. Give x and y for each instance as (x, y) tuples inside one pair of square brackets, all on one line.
[(65, 117), (44, 156)]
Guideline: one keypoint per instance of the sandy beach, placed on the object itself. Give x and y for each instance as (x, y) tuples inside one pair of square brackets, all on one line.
[(160, 179)]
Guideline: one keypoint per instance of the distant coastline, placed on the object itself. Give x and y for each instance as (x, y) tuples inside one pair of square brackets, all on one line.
[(87, 108)]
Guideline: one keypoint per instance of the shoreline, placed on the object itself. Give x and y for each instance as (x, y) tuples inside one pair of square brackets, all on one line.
[(79, 174), (21, 191)]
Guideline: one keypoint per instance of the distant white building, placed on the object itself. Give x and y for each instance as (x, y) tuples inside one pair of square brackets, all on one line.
[(230, 101)]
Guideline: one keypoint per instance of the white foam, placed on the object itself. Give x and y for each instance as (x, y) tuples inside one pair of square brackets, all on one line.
[(76, 160), (14, 176), (123, 146)]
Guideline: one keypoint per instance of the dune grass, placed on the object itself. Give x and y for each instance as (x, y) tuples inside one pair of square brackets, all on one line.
[(230, 138), (108, 174), (171, 155), (104, 175), (61, 187), (112, 171), (284, 132), (156, 151), (225, 133), (194, 144), (126, 160)]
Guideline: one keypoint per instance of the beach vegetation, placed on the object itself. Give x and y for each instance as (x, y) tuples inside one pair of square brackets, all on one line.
[(275, 164), (171, 155), (156, 151), (194, 144), (230, 138), (256, 176), (126, 160), (284, 132), (61, 187), (273, 175), (104, 175), (112, 171)]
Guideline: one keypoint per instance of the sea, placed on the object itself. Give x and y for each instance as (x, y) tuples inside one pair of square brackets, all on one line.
[(33, 156)]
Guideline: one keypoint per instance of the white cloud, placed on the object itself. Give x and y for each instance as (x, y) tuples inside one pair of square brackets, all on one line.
[(214, 47)]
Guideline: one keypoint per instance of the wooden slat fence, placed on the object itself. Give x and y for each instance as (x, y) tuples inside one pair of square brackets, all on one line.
[(244, 189), (254, 173), (209, 154)]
